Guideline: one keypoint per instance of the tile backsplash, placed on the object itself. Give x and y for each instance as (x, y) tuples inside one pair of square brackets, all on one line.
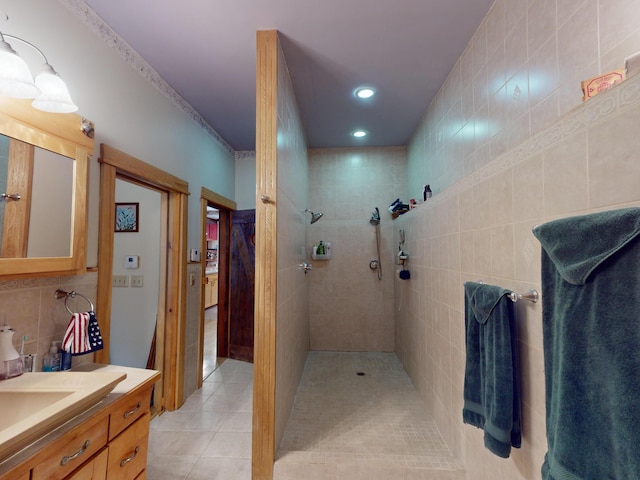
[(29, 306)]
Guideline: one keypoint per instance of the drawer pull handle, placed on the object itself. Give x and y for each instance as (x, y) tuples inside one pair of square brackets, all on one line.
[(128, 459), (131, 412), (66, 460)]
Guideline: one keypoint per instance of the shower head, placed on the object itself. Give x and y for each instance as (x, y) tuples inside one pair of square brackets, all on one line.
[(314, 216), (375, 217)]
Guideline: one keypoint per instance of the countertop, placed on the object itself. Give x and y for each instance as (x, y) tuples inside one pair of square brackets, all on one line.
[(136, 378)]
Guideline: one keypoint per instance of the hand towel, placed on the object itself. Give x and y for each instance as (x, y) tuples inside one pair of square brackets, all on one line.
[(95, 338), (591, 334), (491, 382), (76, 339)]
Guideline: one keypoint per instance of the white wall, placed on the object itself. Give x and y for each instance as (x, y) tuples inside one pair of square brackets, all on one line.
[(134, 309), (246, 180), (130, 114)]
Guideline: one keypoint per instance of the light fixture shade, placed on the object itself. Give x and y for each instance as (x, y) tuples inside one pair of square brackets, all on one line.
[(54, 96), (15, 77)]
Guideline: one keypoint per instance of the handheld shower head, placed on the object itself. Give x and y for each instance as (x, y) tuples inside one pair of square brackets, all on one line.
[(375, 217)]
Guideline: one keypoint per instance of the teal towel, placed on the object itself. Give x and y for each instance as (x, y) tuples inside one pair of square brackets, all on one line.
[(591, 331), (491, 381)]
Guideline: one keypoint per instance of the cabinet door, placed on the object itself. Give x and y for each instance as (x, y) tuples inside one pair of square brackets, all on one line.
[(207, 293), (128, 452), (214, 290)]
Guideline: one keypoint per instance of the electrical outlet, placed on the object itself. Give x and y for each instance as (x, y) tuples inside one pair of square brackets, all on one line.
[(137, 280), (120, 281)]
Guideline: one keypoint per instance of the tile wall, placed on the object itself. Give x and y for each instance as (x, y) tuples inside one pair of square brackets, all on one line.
[(503, 154), (350, 308), (29, 306), (292, 335)]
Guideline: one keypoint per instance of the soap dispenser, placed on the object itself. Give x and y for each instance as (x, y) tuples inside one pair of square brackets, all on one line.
[(10, 361), (52, 360)]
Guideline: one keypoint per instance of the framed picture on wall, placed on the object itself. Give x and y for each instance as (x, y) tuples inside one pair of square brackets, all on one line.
[(126, 217)]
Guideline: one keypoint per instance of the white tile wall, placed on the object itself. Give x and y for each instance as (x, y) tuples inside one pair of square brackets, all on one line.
[(533, 154)]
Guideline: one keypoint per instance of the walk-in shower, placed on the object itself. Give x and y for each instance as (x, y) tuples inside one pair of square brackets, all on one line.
[(376, 264)]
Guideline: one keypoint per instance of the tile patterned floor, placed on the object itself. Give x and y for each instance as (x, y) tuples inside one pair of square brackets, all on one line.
[(343, 426), (209, 437), (357, 415)]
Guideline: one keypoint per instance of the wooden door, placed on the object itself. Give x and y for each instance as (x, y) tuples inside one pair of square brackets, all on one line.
[(241, 304)]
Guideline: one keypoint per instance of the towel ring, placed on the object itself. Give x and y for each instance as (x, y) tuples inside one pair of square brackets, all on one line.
[(58, 294)]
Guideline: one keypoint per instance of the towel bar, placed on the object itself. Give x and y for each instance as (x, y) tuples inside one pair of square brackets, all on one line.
[(530, 296)]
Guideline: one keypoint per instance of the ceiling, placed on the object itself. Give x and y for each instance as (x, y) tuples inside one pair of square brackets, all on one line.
[(206, 51)]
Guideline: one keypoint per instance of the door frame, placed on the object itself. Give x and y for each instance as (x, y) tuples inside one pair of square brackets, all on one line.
[(115, 163), (226, 208)]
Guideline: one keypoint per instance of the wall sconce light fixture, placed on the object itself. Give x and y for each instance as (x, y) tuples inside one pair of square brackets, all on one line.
[(49, 92)]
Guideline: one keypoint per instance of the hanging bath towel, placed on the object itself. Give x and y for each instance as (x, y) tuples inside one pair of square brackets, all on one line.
[(591, 333), (491, 382)]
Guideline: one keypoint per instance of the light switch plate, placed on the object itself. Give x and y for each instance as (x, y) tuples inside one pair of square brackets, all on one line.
[(194, 255)]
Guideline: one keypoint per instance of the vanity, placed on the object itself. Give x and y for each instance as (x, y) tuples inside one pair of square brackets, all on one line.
[(108, 440), (91, 422)]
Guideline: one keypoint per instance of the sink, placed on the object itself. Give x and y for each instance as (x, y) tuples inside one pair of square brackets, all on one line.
[(35, 403)]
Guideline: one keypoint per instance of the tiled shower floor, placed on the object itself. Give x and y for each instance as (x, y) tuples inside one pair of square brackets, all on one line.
[(350, 426)]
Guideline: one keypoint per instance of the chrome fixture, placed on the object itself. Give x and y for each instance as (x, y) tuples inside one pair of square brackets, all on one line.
[(376, 264), (306, 267), (375, 217), (49, 91), (314, 216)]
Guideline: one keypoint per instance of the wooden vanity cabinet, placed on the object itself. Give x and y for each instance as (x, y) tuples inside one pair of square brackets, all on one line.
[(112, 444)]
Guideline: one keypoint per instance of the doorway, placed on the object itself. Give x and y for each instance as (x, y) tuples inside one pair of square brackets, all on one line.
[(170, 330), (216, 212)]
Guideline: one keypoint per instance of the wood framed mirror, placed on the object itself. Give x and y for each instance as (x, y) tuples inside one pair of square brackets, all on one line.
[(44, 162)]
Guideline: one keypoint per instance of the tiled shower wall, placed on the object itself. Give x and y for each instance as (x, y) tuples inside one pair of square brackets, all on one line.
[(292, 335), (502, 159), (350, 308)]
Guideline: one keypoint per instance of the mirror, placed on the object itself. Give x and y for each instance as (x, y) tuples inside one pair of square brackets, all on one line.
[(44, 161), (43, 212)]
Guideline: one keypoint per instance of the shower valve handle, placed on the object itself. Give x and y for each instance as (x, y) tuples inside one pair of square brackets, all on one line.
[(306, 267)]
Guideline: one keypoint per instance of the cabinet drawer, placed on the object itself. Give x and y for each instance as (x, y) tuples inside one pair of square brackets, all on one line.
[(15, 475), (72, 450), (128, 452), (128, 411), (95, 469)]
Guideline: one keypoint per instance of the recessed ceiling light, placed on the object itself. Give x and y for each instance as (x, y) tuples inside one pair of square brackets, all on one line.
[(359, 133), (365, 92)]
